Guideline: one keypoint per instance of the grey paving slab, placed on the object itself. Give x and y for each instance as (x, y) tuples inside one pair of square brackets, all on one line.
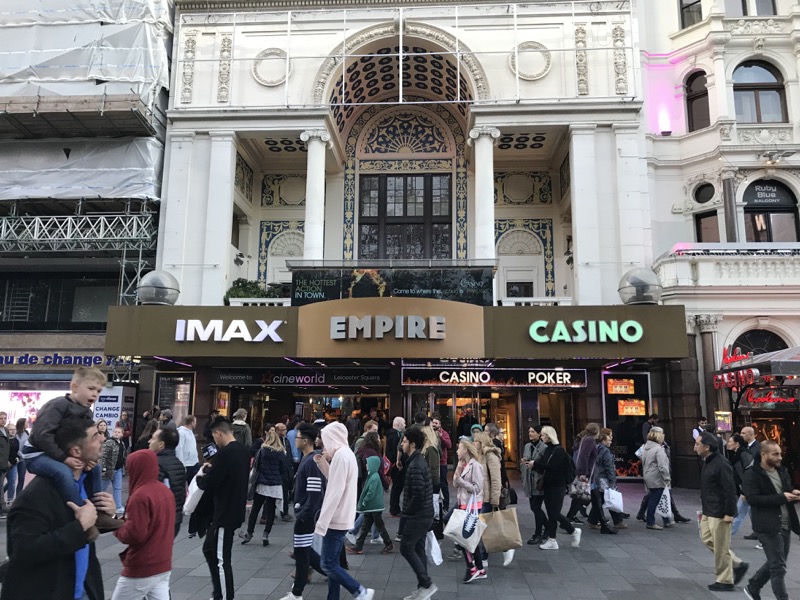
[(634, 564)]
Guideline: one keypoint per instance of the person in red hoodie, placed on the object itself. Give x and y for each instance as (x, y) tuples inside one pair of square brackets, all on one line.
[(149, 525)]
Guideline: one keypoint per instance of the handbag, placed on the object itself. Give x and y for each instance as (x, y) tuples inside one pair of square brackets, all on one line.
[(612, 500), (505, 498), (664, 508), (580, 490), (193, 495), (464, 527), (252, 480), (502, 530), (432, 549)]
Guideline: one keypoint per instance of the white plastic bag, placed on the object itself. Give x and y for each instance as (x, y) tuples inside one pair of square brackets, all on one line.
[(432, 549), (436, 514), (612, 500), (664, 508), (193, 495)]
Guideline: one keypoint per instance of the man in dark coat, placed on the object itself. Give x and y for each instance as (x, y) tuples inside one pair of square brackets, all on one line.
[(718, 499), (170, 469), (466, 422), (49, 553), (768, 489)]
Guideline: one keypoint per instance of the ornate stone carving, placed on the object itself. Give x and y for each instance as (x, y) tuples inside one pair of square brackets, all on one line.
[(270, 56), (243, 179), (406, 133), (389, 30), (269, 232), (283, 190), (708, 323), (756, 27), (530, 47), (692, 183), (522, 187), (764, 135), (187, 76), (543, 230), (487, 130), (581, 60), (518, 242), (224, 75), (315, 134), (725, 132), (691, 323), (620, 60), (406, 165)]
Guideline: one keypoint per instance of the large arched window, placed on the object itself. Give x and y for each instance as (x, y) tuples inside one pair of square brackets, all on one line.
[(770, 213), (759, 341), (697, 101), (759, 93)]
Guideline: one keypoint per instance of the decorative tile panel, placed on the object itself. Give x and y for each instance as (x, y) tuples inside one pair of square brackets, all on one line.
[(517, 188), (405, 165), (285, 144), (243, 180), (564, 176), (543, 230), (521, 141), (268, 231), (283, 190), (405, 133)]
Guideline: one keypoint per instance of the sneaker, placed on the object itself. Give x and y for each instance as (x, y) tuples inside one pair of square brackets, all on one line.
[(655, 526), (621, 526), (759, 547), (413, 595), (425, 593), (291, 596), (455, 555), (549, 545), (481, 574), (387, 549), (366, 594), (594, 525), (287, 517), (376, 541), (471, 574), (750, 593), (246, 537), (508, 556), (739, 572), (576, 538), (535, 540), (721, 587), (669, 524), (350, 538), (265, 539), (682, 519), (752, 536), (398, 538)]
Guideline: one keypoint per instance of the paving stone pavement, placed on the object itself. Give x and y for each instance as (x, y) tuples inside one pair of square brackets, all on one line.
[(637, 563)]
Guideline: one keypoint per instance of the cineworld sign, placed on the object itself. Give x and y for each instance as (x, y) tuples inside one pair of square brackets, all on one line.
[(579, 332)]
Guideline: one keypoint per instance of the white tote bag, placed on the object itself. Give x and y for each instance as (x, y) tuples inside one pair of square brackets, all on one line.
[(664, 508), (612, 500), (465, 528), (432, 549), (193, 495)]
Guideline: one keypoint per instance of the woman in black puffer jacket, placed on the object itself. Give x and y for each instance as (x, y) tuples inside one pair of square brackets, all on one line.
[(605, 477), (270, 463)]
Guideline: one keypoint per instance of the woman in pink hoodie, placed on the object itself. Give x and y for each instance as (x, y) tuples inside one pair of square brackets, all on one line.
[(338, 509)]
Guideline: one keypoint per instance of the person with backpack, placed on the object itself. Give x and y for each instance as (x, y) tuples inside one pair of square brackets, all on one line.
[(370, 505), (559, 471)]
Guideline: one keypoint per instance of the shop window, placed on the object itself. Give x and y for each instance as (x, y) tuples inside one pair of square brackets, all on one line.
[(770, 213), (405, 217), (707, 227), (697, 101), (759, 94), (759, 341), (691, 12)]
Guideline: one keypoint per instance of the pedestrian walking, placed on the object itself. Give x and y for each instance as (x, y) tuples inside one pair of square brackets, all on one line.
[(371, 447), (656, 475), (241, 430), (282, 430), (171, 471), (468, 481), (718, 498), (113, 462), (532, 482), (338, 464), (445, 446), (768, 488), (226, 482), (393, 438), (370, 507), (22, 437), (605, 477), (585, 457), (270, 465), (558, 472), (740, 460)]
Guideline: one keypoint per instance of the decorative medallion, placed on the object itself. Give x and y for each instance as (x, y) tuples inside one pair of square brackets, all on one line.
[(543, 230), (521, 141), (530, 52), (285, 145), (406, 133), (269, 67)]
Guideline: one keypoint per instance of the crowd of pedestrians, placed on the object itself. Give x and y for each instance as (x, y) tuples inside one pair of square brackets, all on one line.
[(332, 480)]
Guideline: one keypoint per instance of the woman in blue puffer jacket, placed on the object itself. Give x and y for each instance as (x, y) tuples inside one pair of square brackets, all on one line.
[(270, 463)]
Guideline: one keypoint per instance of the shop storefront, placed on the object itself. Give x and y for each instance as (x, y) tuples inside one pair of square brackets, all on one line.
[(515, 366)]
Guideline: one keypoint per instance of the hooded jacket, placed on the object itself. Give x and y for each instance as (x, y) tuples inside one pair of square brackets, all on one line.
[(468, 481), (149, 519), (492, 481), (655, 466), (242, 433), (339, 505), (371, 499)]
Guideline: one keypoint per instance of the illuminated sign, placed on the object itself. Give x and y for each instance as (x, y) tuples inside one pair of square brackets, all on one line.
[(735, 379), (376, 327), (578, 332), (723, 420), (771, 398), (425, 376), (190, 330), (620, 386), (631, 408)]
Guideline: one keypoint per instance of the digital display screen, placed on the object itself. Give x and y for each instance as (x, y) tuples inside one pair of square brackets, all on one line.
[(631, 408), (620, 386)]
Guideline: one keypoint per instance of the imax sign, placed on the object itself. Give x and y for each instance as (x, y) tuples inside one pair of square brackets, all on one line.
[(190, 330)]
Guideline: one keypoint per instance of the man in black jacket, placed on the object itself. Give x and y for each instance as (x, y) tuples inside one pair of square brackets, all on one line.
[(393, 438), (417, 511), (226, 481), (718, 498), (170, 469), (49, 553), (768, 489)]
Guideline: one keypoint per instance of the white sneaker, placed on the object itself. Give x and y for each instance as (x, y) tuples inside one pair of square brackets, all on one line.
[(576, 538), (375, 541), (508, 556), (550, 544), (350, 538), (367, 594), (413, 595), (291, 596), (425, 593)]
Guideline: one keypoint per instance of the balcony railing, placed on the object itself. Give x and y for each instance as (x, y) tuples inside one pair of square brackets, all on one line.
[(536, 301), (260, 301)]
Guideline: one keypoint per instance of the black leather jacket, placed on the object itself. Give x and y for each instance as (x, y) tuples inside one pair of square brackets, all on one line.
[(717, 488), (765, 503)]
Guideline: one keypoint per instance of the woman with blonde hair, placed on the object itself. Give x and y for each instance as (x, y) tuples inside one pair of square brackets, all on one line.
[(655, 471), (492, 479), (468, 481), (432, 454), (556, 469), (270, 464)]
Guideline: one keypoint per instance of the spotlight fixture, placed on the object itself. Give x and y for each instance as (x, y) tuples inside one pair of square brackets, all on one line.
[(773, 157), (666, 133)]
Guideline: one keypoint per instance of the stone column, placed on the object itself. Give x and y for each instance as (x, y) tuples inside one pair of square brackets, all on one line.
[(719, 104), (629, 173), (729, 204), (708, 325), (484, 138), (217, 259), (585, 215), (175, 205), (316, 141)]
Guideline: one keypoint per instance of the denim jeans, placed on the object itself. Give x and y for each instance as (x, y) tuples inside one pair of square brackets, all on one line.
[(116, 488), (776, 547), (332, 545), (61, 475), (10, 485), (744, 509), (653, 496)]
